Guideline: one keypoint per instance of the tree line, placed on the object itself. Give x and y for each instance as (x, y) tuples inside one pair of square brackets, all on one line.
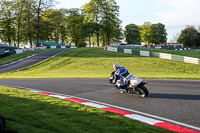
[(32, 21), (147, 33), (21, 20), (156, 34), (190, 36)]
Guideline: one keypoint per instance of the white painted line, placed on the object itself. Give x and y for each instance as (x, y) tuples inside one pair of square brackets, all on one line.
[(58, 96), (94, 105), (34, 91), (143, 119)]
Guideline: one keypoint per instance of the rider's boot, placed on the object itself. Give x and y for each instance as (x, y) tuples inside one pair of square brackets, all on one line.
[(122, 90)]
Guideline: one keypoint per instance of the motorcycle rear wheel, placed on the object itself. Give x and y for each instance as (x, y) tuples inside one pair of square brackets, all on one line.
[(143, 92)]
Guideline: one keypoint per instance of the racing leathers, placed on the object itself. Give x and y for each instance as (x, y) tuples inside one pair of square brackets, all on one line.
[(121, 77)]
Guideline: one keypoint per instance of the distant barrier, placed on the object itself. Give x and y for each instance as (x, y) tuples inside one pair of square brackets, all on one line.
[(4, 52), (180, 58)]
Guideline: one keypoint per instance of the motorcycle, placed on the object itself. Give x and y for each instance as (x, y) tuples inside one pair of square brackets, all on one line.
[(134, 86)]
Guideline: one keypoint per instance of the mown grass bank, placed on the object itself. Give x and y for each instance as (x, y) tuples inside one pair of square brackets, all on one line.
[(8, 59), (28, 112), (97, 63)]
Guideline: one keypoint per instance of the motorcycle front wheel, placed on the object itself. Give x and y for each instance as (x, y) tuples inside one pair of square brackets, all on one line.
[(143, 92)]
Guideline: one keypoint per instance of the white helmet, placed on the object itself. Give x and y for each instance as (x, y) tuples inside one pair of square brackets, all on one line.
[(116, 66)]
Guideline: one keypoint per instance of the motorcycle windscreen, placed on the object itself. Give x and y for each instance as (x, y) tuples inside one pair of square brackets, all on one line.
[(135, 81)]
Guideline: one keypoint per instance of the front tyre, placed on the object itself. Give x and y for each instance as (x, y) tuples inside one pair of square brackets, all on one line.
[(143, 92)]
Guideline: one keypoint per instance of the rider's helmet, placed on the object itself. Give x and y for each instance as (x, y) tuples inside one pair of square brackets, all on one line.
[(116, 66)]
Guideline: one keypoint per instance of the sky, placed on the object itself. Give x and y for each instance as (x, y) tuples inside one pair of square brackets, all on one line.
[(174, 14)]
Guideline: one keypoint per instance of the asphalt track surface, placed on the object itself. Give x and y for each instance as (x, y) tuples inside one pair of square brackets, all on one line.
[(177, 100), (30, 61)]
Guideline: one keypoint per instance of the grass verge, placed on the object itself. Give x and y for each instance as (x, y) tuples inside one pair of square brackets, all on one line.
[(31, 112), (15, 57), (97, 63)]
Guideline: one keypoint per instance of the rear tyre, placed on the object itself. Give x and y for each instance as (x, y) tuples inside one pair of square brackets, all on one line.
[(143, 92)]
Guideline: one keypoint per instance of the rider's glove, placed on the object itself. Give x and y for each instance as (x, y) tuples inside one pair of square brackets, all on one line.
[(110, 81)]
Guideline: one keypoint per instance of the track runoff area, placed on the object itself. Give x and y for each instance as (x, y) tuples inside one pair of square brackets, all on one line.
[(132, 114)]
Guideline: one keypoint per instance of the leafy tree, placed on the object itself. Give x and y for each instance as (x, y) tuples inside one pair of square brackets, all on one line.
[(88, 29), (40, 6), (28, 22), (110, 20), (153, 33), (7, 21), (24, 21), (54, 26), (117, 34), (189, 36), (93, 11), (19, 8), (75, 22), (63, 26), (159, 34), (199, 37), (104, 16), (146, 33), (132, 34)]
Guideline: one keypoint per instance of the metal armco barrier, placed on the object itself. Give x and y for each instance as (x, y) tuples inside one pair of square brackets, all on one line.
[(2, 51), (179, 58), (145, 53), (17, 51), (155, 54)]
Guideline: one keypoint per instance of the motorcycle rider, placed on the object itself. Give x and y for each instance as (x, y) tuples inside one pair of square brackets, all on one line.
[(121, 77)]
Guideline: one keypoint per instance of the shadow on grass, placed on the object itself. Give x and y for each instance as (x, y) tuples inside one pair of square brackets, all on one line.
[(174, 96), (56, 115)]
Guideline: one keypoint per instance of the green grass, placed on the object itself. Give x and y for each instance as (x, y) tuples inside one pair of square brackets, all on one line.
[(97, 63), (182, 53), (16, 57), (28, 112)]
